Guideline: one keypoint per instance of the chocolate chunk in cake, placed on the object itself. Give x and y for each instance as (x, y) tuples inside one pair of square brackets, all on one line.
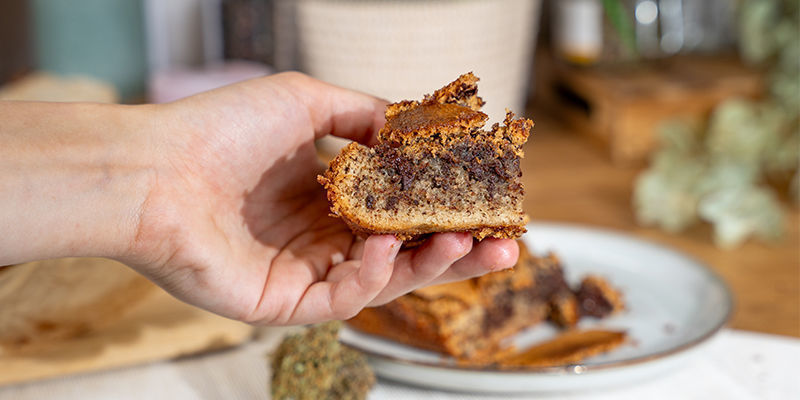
[(596, 298)]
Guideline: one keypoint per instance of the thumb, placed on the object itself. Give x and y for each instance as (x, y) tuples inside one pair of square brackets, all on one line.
[(337, 111)]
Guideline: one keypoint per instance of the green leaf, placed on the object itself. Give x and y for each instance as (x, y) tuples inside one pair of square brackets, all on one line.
[(621, 21)]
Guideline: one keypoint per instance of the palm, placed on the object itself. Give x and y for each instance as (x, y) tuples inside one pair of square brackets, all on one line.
[(252, 238)]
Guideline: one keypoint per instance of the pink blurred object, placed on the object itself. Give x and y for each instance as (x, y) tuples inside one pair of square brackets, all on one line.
[(174, 84)]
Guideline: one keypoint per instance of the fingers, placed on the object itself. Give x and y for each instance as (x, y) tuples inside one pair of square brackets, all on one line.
[(344, 298), (337, 111), (489, 255), (356, 249), (419, 266), (382, 274), (377, 264)]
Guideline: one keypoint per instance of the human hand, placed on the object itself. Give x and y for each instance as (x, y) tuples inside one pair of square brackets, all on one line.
[(233, 220)]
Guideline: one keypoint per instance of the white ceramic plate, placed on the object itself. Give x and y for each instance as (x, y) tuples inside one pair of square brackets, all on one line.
[(674, 303)]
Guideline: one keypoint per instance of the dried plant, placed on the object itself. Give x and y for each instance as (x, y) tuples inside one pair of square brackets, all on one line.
[(718, 172)]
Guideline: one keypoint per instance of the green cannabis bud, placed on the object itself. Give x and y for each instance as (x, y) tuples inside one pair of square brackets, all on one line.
[(314, 365)]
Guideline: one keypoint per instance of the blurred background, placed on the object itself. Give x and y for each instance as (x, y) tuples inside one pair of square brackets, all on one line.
[(672, 120)]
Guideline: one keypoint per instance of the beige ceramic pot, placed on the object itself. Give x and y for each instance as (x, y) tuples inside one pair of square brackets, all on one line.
[(403, 49)]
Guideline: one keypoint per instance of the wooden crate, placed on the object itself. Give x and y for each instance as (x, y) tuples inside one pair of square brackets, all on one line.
[(623, 105)]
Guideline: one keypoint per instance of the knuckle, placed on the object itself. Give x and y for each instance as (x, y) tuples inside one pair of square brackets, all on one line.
[(294, 77), (345, 313), (458, 247)]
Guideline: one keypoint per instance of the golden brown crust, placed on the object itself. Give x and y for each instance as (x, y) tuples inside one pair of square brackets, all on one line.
[(564, 310), (463, 91), (419, 122), (411, 235), (402, 323), (332, 178), (515, 131), (569, 347)]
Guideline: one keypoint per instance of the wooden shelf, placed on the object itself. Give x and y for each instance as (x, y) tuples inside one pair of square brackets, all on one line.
[(622, 105)]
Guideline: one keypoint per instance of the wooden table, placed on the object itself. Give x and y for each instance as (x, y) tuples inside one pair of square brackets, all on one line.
[(570, 180)]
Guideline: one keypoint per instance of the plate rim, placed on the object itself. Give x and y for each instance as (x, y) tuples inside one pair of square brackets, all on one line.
[(580, 368)]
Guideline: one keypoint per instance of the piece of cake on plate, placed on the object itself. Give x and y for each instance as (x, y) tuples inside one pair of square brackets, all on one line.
[(470, 319)]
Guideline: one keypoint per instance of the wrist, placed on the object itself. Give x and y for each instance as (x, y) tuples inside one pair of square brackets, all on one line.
[(76, 175)]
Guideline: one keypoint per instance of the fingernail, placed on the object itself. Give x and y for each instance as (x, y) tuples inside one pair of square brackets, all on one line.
[(506, 256), (497, 267)]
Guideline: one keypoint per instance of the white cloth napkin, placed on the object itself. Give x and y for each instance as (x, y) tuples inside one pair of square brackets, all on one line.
[(734, 365)]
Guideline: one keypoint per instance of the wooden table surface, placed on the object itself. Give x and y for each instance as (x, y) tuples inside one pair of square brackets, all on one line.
[(569, 179)]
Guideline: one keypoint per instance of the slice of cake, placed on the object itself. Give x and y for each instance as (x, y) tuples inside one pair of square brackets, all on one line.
[(434, 169), (470, 319)]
